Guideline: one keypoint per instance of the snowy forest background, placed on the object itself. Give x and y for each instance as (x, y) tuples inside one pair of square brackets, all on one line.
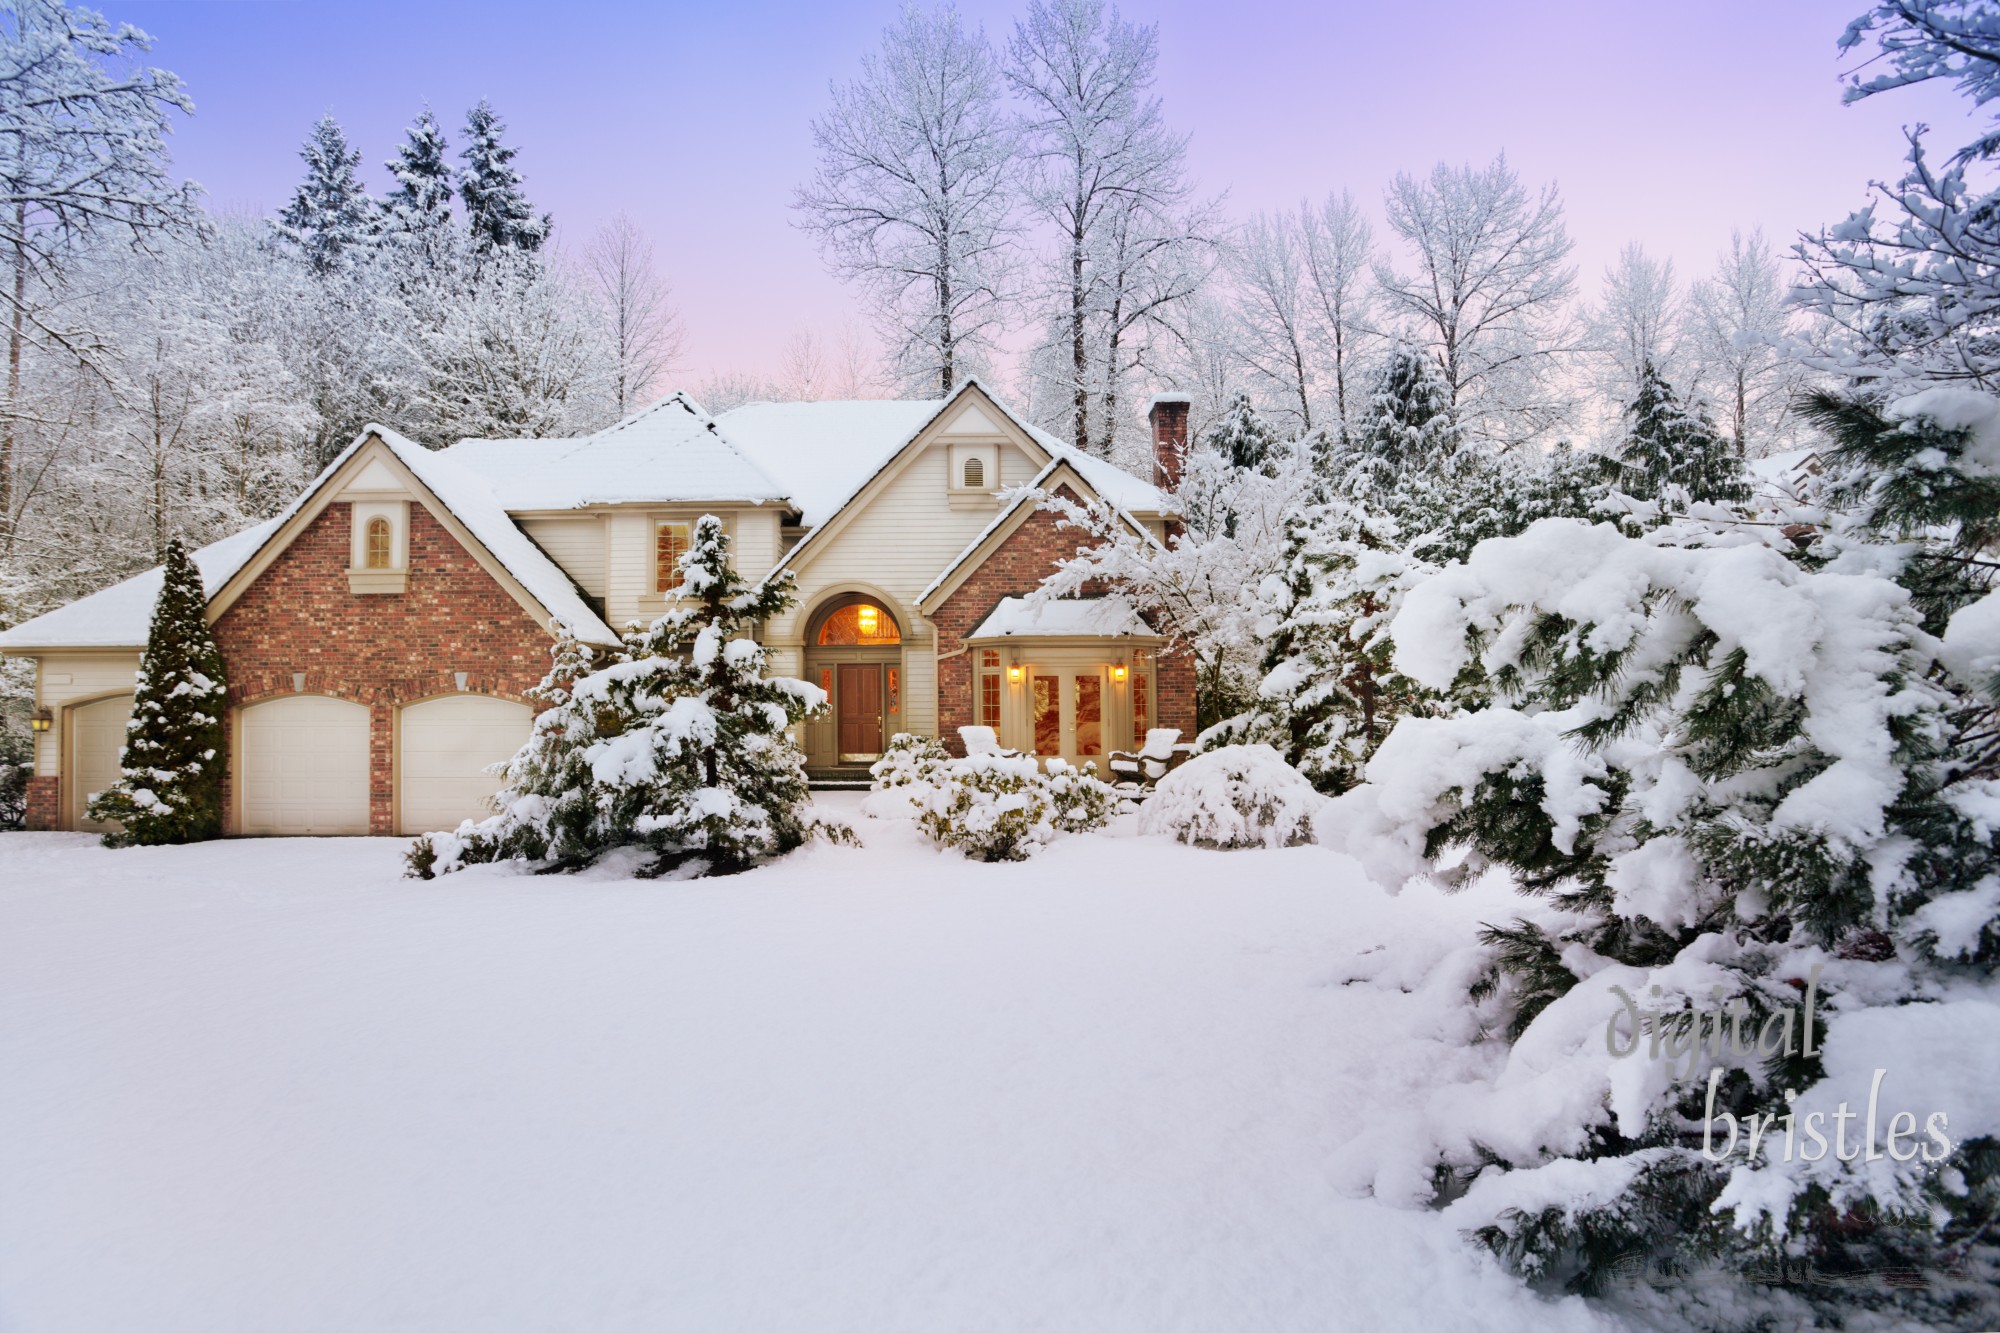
[(1020, 208)]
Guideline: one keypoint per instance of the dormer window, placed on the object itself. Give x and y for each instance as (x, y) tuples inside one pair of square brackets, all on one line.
[(380, 549), (975, 473), (670, 543)]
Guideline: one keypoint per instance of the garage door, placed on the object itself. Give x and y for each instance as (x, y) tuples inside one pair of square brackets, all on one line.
[(97, 741), (305, 766), (445, 747)]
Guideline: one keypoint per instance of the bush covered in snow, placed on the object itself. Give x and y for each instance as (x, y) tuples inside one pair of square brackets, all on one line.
[(1237, 796), (909, 759), (677, 745), (1003, 807)]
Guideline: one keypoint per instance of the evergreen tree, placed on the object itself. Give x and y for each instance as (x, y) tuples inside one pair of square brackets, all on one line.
[(170, 784), (678, 746), (497, 214), (330, 215), (417, 212), (1244, 437), (1667, 445)]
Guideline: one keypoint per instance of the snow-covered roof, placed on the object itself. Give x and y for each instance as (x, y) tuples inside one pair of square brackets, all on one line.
[(466, 494), (1786, 476), (118, 616), (668, 451), (822, 453), (1082, 617)]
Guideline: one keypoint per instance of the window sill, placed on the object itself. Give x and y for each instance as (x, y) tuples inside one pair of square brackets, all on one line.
[(958, 497), (377, 582)]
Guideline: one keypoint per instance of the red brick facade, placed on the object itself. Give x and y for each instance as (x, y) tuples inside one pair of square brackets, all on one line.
[(382, 650), (1015, 569), (44, 803)]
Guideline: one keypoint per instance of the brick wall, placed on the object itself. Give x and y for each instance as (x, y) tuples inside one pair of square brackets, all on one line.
[(44, 802), (381, 650), (1015, 569)]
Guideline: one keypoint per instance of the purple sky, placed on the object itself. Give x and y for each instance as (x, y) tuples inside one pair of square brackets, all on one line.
[(1666, 123)]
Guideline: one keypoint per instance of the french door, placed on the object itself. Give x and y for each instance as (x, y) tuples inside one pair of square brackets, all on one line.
[(1069, 713)]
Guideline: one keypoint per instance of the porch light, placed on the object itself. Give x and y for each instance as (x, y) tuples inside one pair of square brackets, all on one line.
[(1118, 671), (1014, 672), (868, 619), (41, 719)]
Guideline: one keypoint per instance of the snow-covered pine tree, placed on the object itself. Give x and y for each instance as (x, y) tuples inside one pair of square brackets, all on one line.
[(1243, 436), (170, 784), (497, 214), (417, 212), (1673, 450), (330, 215), (678, 747)]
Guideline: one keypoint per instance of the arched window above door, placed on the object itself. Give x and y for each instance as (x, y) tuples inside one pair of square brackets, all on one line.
[(858, 624)]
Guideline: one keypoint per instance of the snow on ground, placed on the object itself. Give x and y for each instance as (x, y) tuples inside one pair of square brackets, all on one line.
[(272, 1086)]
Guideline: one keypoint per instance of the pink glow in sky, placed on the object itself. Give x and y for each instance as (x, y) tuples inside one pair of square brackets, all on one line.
[(1664, 123)]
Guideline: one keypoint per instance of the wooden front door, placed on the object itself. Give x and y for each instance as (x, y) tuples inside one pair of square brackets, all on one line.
[(858, 705)]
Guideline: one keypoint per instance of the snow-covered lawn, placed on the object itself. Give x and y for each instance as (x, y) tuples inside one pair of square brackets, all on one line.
[(272, 1086)]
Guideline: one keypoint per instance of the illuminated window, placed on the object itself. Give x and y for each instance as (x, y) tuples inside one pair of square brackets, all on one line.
[(862, 624), (989, 698), (378, 549), (670, 543), (1048, 714), (975, 472), (1090, 714), (1140, 719), (989, 658), (826, 681)]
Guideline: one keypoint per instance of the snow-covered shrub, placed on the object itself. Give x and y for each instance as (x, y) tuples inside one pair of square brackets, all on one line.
[(677, 745), (17, 763), (1083, 801), (169, 788), (991, 807), (1237, 796), (909, 759)]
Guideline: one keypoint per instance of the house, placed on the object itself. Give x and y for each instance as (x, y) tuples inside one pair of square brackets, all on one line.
[(381, 634)]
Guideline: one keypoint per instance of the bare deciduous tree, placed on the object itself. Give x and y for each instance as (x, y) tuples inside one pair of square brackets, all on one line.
[(914, 192), (641, 324), (1487, 290)]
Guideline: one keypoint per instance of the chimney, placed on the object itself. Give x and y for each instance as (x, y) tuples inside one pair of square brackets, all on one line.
[(1169, 414)]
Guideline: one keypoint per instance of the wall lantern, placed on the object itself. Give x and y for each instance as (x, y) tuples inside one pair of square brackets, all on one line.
[(868, 618), (41, 719), (1014, 672), (1118, 671)]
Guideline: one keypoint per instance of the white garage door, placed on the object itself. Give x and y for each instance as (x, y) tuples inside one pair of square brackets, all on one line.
[(305, 766), (445, 748), (97, 741)]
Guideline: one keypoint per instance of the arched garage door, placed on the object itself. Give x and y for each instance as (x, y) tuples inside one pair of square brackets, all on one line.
[(305, 766), (443, 751), (96, 744)]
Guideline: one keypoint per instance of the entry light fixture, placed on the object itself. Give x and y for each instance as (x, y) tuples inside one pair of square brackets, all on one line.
[(41, 719), (869, 619), (1118, 671), (1014, 672)]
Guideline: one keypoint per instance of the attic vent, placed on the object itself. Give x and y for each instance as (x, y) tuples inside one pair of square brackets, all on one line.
[(975, 473)]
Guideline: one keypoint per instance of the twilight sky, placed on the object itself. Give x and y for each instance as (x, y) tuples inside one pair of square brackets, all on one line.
[(1666, 123)]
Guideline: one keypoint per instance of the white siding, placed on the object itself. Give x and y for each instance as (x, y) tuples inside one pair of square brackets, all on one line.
[(577, 544)]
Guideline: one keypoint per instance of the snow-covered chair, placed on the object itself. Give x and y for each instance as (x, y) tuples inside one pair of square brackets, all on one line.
[(1160, 755), (984, 740)]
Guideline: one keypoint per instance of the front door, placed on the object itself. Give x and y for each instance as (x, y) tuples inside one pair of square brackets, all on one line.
[(858, 705)]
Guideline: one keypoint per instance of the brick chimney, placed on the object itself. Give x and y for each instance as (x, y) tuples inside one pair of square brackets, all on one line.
[(1169, 414)]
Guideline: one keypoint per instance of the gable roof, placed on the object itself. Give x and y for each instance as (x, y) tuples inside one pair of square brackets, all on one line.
[(1108, 617), (1119, 488), (119, 616), (669, 451)]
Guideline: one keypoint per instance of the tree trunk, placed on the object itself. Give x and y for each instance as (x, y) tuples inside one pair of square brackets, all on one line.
[(16, 334), (1080, 399)]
